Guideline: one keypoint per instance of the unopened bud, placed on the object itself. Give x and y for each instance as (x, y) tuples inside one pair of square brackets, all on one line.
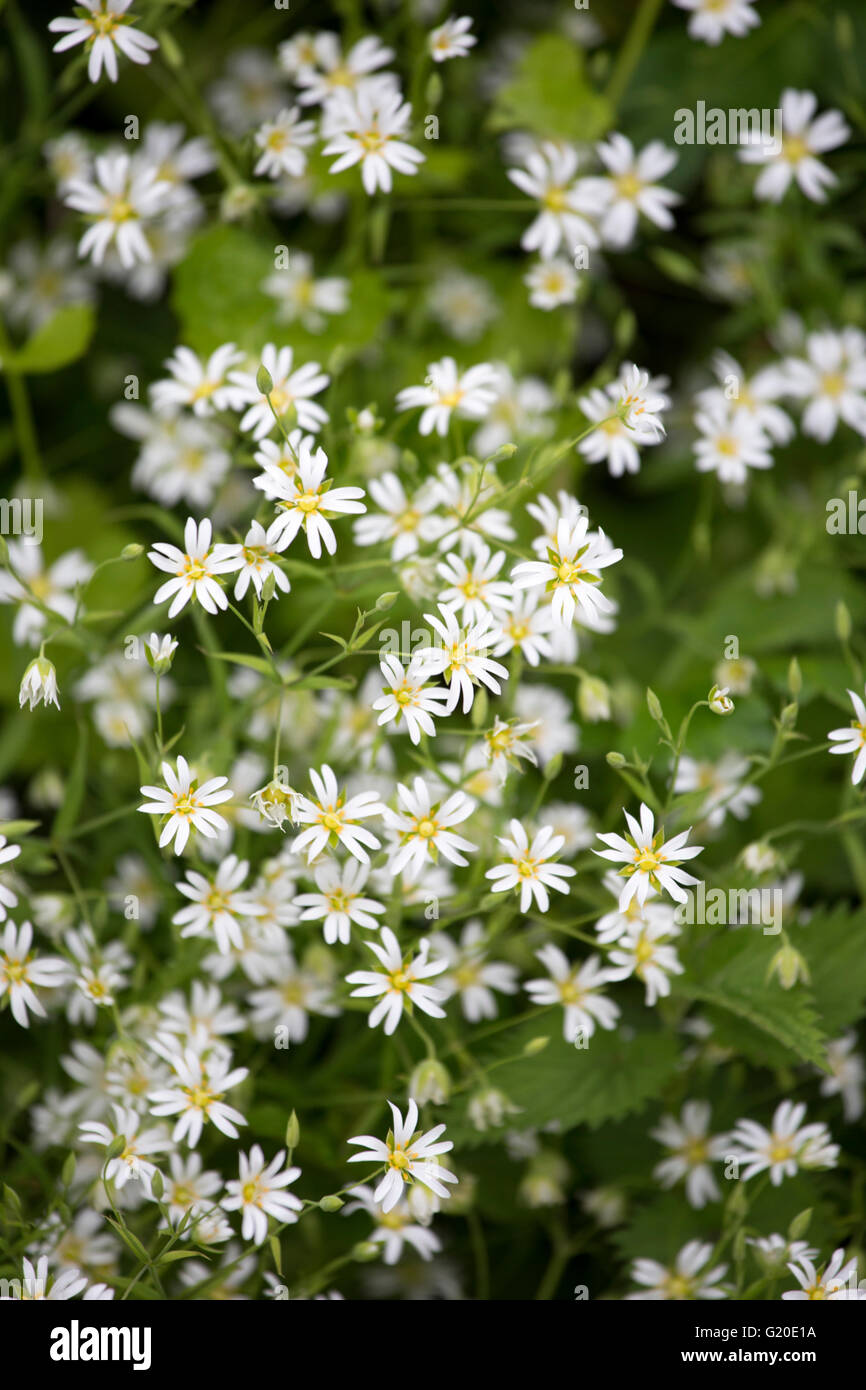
[(264, 380)]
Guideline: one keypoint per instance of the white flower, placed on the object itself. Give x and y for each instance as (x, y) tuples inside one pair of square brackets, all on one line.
[(461, 657), (398, 982), (525, 628), (528, 869), (197, 1096), (692, 1150), (7, 897), (39, 685), (292, 994), (20, 970), (305, 501), (578, 989), (405, 696), (631, 187), (282, 142), (847, 1074), (837, 1282), (570, 574), (627, 413), (470, 975), (551, 283), (424, 829), (721, 784), (729, 445), (323, 71), (340, 901), (332, 817), (409, 1157), (853, 738), (365, 126), (257, 1192), (217, 906), (644, 950), (140, 1145), (395, 1228), (187, 806), (188, 1190), (290, 394), (201, 385), (650, 861), (754, 396), (804, 136), (521, 411), (55, 587), (194, 569), (469, 394), (254, 558), (451, 39), (403, 522), (473, 589), (689, 1279), (463, 304), (832, 378), (301, 297), (458, 493), (105, 28), (549, 179), (786, 1146), (120, 199), (711, 20)]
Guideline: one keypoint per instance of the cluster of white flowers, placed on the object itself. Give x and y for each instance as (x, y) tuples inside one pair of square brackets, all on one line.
[(409, 866)]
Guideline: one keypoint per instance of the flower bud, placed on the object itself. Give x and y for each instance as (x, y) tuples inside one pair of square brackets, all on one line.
[(614, 759), (293, 1132), (430, 1082), (593, 699), (720, 701), (159, 653), (365, 1251), (788, 966), (264, 380), (39, 684), (331, 1204)]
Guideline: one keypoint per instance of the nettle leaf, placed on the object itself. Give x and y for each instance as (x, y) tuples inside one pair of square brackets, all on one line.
[(834, 944), (550, 95), (729, 972), (62, 340), (607, 1079)]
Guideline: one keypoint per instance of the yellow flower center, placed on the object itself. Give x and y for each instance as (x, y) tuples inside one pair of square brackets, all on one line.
[(833, 383), (794, 148), (628, 185)]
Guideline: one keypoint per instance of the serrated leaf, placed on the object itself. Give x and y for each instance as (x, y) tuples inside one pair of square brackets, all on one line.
[(550, 96), (609, 1078), (834, 944), (730, 972)]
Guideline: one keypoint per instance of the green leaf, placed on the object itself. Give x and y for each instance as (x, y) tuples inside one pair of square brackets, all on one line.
[(60, 341), (607, 1079), (730, 973), (550, 95), (834, 944)]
